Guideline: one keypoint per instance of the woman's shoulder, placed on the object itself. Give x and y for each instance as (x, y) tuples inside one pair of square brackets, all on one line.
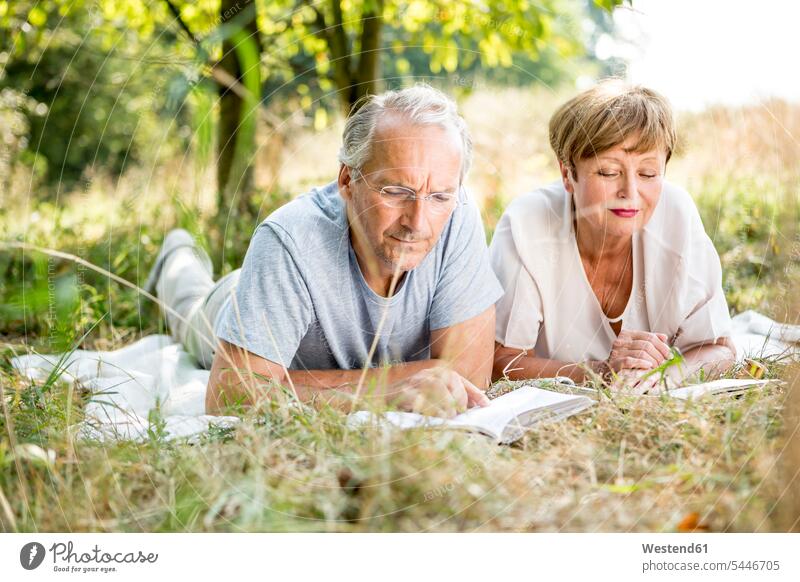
[(544, 212), (549, 196), (676, 213), (677, 203), (676, 232)]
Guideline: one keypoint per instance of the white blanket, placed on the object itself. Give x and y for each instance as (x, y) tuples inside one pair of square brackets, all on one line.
[(155, 373)]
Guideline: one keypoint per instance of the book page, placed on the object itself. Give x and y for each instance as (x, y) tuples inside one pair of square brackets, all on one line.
[(504, 409), (513, 411), (716, 387)]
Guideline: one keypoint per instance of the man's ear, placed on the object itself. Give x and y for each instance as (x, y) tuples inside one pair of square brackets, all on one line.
[(345, 178), (566, 177)]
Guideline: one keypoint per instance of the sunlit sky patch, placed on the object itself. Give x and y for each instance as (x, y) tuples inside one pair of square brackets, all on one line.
[(699, 52)]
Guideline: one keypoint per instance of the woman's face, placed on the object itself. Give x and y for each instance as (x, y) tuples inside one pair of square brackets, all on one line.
[(616, 192)]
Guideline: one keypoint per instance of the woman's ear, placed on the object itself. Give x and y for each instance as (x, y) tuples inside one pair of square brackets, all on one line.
[(566, 177)]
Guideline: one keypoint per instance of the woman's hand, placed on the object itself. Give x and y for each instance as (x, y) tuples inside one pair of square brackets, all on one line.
[(713, 358), (643, 382), (435, 392), (638, 350)]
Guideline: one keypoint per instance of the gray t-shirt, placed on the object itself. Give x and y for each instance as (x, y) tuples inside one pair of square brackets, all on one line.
[(303, 301)]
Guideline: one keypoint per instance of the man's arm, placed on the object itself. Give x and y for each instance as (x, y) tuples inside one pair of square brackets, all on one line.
[(468, 347), (241, 376)]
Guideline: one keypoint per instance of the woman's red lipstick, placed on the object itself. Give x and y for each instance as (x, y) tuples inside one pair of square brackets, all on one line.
[(624, 212)]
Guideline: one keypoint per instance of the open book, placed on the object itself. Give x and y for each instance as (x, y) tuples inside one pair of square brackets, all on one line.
[(723, 386), (504, 420)]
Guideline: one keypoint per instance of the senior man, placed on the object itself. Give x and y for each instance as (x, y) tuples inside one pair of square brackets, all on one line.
[(375, 286)]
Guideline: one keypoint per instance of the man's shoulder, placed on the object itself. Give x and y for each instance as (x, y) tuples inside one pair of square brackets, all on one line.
[(313, 216), (465, 214), (465, 224)]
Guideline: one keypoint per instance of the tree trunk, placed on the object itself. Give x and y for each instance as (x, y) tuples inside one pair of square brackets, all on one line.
[(353, 81), (369, 66), (339, 47), (239, 105)]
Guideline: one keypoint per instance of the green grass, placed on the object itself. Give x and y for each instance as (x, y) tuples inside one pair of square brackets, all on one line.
[(628, 464)]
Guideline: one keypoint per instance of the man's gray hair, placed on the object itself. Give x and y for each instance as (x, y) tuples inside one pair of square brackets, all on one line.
[(420, 105)]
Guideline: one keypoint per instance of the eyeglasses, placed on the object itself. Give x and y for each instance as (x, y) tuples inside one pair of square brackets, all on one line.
[(401, 197)]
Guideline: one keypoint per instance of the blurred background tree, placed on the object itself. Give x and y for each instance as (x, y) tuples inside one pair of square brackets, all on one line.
[(85, 74), (91, 85)]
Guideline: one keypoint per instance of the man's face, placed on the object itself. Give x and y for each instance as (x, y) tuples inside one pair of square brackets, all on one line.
[(426, 159)]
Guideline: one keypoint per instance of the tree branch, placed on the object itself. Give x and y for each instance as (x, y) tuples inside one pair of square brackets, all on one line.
[(176, 12)]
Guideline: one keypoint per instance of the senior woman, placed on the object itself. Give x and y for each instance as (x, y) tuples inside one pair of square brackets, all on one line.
[(608, 268)]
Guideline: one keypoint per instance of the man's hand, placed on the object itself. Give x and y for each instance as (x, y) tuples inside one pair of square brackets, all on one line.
[(432, 389), (638, 350), (435, 392)]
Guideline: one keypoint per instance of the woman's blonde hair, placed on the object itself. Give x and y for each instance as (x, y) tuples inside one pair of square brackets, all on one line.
[(608, 114)]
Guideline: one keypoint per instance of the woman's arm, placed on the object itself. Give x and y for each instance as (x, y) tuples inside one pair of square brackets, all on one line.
[(518, 364), (714, 358), (631, 350)]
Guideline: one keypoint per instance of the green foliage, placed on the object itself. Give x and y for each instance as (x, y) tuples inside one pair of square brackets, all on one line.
[(43, 301), (87, 85), (88, 73), (460, 43), (749, 220)]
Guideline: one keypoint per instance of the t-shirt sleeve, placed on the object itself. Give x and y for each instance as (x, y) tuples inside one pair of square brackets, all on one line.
[(519, 311), (706, 316), (270, 312), (467, 285)]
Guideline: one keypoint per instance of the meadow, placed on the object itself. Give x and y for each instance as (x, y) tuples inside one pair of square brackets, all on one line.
[(628, 464)]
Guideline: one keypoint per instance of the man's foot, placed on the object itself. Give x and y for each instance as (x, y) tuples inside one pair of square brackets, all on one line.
[(175, 239)]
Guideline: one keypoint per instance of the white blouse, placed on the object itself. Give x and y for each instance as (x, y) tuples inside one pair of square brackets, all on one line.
[(550, 307)]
